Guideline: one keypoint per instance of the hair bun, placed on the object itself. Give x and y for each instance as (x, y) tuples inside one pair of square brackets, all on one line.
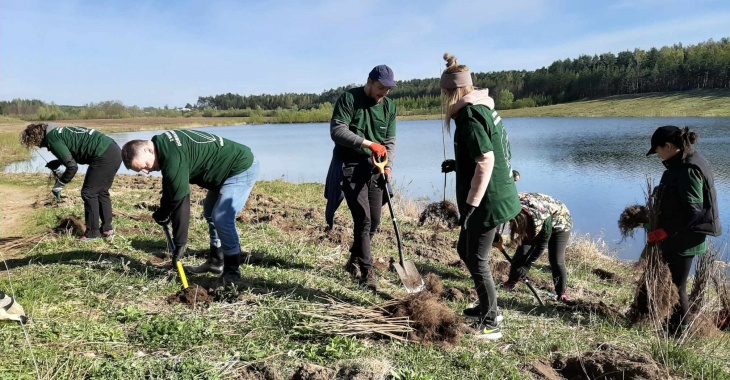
[(450, 60)]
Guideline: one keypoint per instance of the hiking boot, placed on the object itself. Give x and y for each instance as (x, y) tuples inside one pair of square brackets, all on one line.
[(214, 263), (353, 269), (231, 270), (509, 286), (488, 331), (369, 280)]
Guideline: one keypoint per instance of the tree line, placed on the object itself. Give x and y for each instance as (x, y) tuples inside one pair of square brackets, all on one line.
[(705, 65)]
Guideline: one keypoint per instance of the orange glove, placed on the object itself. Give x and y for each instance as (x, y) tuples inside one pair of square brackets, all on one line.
[(378, 150), (657, 235)]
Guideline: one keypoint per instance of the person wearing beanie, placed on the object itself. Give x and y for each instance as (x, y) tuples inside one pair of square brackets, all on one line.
[(363, 125), (486, 194), (687, 210), (73, 146)]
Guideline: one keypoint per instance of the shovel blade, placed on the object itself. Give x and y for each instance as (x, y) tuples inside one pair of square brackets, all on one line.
[(412, 280)]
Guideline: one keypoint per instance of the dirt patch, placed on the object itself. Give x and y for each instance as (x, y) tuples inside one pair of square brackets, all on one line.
[(70, 225), (192, 296), (500, 270), (437, 247), (14, 209), (435, 286), (313, 372), (631, 218), (544, 372), (598, 308), (432, 320), (609, 362), (606, 275), (441, 213), (149, 206), (259, 371)]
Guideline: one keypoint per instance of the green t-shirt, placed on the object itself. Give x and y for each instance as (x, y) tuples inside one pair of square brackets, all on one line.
[(478, 131), (366, 118), (81, 144), (200, 158)]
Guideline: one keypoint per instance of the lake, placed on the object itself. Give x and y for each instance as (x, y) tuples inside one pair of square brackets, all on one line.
[(596, 166)]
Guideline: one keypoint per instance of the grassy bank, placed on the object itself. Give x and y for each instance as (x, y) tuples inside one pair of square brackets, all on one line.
[(699, 103), (102, 309)]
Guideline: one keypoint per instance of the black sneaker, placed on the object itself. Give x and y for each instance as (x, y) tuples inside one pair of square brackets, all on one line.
[(488, 331), (475, 313)]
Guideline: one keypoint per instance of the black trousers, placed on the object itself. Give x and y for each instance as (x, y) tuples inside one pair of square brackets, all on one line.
[(365, 199), (95, 191), (529, 252), (679, 267), (473, 247)]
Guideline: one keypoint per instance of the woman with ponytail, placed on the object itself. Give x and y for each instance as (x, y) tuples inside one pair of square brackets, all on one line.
[(687, 209), (485, 188)]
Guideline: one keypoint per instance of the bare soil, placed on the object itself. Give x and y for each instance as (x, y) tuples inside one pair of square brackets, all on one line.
[(14, 206), (442, 213), (609, 362), (192, 296)]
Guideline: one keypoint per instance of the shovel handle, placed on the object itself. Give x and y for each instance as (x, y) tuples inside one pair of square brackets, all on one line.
[(380, 163), (500, 247)]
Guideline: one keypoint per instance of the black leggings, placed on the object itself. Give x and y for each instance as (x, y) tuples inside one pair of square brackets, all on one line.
[(529, 252), (95, 191), (473, 247), (679, 267)]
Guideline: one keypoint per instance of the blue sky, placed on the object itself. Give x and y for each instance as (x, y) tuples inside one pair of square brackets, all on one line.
[(156, 53)]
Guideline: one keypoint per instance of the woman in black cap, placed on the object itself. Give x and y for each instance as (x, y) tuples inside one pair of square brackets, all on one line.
[(687, 209)]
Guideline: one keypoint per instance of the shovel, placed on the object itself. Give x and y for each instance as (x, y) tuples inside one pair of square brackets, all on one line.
[(412, 280), (180, 269), (498, 244)]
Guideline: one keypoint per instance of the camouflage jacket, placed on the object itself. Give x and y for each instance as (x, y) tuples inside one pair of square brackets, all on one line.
[(543, 207)]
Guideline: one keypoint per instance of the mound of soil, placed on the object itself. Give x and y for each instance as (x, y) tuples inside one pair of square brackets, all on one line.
[(435, 286), (606, 275), (70, 225), (442, 213), (437, 247), (313, 372), (432, 320), (544, 372), (599, 308), (609, 362), (500, 270), (192, 296), (631, 218)]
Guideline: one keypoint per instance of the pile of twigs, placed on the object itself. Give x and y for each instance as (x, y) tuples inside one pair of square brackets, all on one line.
[(17, 243), (339, 318)]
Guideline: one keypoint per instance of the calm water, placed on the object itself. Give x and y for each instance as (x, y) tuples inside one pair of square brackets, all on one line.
[(597, 166)]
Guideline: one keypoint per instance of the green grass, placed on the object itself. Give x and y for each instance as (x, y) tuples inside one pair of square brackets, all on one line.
[(100, 310), (698, 103)]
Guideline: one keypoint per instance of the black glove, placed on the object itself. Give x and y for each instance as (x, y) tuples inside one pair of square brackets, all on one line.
[(162, 218), (54, 165), (448, 166), (464, 218), (177, 254)]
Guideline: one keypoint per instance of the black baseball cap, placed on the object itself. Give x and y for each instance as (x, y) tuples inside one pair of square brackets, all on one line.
[(661, 136), (383, 74)]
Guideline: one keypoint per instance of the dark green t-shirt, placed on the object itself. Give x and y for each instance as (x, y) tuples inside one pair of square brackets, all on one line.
[(199, 158), (366, 118), (82, 144), (478, 131)]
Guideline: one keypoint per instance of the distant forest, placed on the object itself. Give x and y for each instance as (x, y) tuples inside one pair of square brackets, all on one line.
[(671, 68)]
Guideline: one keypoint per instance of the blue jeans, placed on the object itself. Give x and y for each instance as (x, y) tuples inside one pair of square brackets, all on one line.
[(221, 207)]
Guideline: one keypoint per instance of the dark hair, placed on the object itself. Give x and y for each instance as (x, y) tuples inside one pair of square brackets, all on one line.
[(130, 151), (684, 139), (521, 227), (33, 135)]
